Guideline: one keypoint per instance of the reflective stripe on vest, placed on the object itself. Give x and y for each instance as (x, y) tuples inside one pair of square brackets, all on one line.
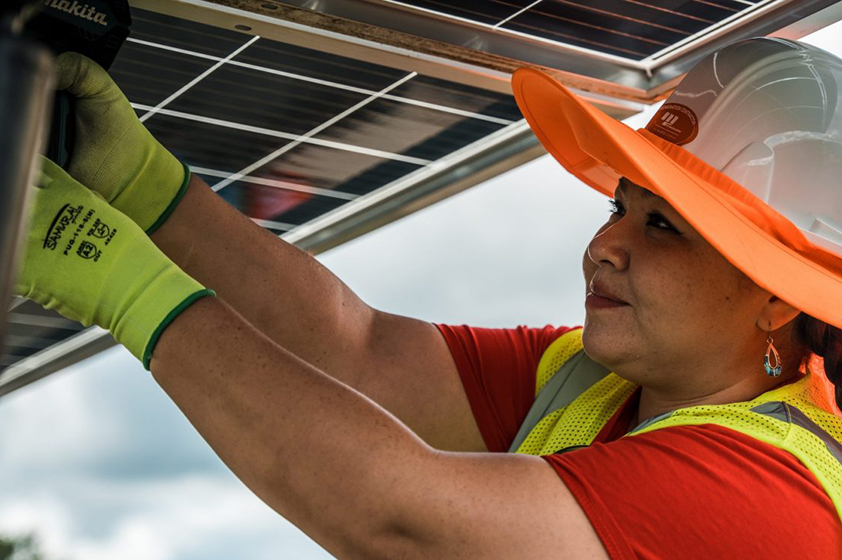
[(574, 377), (579, 399), (788, 413)]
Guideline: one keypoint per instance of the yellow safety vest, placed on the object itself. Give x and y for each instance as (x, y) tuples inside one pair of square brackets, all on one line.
[(576, 397)]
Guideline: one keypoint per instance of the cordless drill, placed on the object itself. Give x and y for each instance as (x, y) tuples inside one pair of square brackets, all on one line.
[(94, 28)]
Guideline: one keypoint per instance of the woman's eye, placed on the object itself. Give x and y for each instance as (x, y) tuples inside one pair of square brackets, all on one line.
[(654, 217), (616, 208)]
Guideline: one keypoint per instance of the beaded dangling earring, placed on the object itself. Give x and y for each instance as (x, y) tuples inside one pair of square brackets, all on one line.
[(771, 371)]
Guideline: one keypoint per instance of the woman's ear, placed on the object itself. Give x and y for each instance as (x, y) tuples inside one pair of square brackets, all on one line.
[(776, 314)]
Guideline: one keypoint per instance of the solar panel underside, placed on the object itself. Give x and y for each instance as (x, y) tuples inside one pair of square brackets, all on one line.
[(283, 133), (632, 29)]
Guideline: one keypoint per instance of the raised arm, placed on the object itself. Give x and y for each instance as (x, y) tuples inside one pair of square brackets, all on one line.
[(347, 472), (401, 363)]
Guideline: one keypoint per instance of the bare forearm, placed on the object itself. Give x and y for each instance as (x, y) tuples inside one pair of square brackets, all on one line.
[(403, 364), (281, 290), (324, 456)]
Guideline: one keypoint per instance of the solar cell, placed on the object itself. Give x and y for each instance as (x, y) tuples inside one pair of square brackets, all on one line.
[(291, 208), (333, 172), (149, 75), (425, 89), (490, 12), (411, 131), (185, 34), (225, 145), (307, 63)]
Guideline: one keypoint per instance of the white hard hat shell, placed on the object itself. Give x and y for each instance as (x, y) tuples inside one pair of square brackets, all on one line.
[(768, 115)]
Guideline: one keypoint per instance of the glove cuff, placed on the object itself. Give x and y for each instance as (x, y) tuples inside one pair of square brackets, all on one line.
[(144, 305), (157, 181), (153, 340), (178, 196)]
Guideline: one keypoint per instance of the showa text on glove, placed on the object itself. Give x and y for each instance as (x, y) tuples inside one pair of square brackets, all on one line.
[(74, 8)]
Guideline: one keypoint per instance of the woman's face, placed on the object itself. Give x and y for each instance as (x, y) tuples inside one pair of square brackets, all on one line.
[(691, 317)]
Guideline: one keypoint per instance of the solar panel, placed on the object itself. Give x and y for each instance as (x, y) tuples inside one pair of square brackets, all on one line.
[(324, 120), (285, 134)]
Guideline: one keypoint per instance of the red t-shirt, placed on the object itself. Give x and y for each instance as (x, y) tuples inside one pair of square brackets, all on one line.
[(679, 492)]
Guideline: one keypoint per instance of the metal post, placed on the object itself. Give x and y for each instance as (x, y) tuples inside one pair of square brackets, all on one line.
[(26, 90)]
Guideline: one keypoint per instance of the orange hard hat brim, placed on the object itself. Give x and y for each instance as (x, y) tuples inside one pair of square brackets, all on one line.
[(751, 235)]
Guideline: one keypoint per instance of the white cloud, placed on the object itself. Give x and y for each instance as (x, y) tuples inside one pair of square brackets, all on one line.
[(43, 513), (23, 433), (105, 415), (175, 518)]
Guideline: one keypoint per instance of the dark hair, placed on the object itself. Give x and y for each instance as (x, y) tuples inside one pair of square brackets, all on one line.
[(825, 341)]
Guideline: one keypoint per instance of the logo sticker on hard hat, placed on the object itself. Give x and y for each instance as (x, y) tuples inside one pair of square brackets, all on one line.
[(675, 123)]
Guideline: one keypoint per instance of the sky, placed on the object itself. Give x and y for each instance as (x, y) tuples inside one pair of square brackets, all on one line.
[(100, 464)]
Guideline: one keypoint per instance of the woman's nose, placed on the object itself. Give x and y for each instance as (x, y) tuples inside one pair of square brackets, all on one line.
[(610, 246)]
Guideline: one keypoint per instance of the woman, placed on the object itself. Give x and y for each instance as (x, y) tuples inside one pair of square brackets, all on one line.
[(695, 424)]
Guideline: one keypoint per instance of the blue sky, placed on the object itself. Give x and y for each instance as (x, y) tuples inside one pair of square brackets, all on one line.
[(101, 465)]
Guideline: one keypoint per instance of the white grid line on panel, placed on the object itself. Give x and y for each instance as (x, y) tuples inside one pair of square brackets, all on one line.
[(300, 77), (197, 79), (173, 49), (283, 185), (281, 226), (328, 83), (285, 135), (517, 13), (443, 109), (308, 136)]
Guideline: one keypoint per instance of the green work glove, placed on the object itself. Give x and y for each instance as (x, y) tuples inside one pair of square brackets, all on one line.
[(113, 153), (94, 265)]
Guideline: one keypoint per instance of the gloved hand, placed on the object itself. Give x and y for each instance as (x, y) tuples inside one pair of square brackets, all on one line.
[(95, 266), (113, 153)]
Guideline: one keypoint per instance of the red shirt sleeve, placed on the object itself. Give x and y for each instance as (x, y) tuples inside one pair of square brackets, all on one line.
[(497, 367), (700, 492)]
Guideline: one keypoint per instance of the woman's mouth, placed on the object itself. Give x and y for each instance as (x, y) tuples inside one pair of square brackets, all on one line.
[(593, 301)]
